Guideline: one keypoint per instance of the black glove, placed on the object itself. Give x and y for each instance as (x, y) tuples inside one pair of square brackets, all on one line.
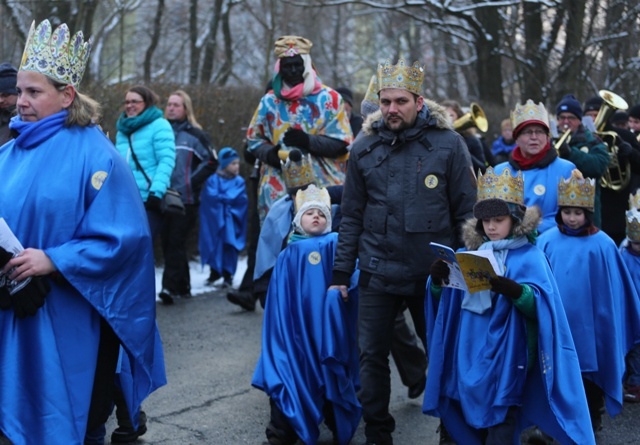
[(5, 299), (272, 157), (506, 286), (295, 137), (153, 202), (564, 150), (439, 272), (30, 298), (624, 150)]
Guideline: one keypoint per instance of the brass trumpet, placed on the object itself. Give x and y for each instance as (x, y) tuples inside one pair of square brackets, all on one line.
[(615, 177), (474, 118)]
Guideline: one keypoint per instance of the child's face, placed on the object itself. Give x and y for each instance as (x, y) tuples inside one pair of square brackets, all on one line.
[(635, 246), (498, 227), (234, 167), (313, 222), (573, 217)]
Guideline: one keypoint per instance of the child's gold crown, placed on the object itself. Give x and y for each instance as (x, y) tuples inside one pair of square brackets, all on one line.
[(505, 186), (577, 191), (56, 54)]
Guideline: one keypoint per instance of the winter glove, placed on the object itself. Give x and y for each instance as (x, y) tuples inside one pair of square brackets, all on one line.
[(624, 150), (30, 298), (272, 157), (295, 137), (439, 272), (5, 298), (153, 202), (564, 150), (506, 286)]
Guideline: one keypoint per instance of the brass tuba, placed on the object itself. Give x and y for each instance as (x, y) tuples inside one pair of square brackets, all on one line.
[(474, 118), (615, 177)]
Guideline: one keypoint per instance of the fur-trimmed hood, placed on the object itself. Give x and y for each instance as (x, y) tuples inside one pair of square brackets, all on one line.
[(530, 222), (438, 117)]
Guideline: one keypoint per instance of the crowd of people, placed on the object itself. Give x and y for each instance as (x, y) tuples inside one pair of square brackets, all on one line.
[(343, 208)]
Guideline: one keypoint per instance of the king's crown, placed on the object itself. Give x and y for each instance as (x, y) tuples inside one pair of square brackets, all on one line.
[(401, 76), (297, 171), (505, 186), (634, 201), (577, 192), (633, 225), (530, 111), (313, 195), (56, 54)]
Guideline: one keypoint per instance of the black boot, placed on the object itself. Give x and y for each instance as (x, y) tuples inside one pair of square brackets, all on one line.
[(243, 299)]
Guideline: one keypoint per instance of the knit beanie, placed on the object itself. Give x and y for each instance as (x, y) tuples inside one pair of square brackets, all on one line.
[(634, 111), (619, 117), (571, 105), (226, 156), (346, 94), (8, 78), (593, 104)]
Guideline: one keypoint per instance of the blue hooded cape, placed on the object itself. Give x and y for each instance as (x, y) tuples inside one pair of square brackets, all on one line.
[(309, 349), (478, 363), (601, 303), (68, 192), (223, 222)]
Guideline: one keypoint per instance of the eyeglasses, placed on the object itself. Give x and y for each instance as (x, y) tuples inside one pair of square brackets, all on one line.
[(529, 133), (133, 102), (567, 117)]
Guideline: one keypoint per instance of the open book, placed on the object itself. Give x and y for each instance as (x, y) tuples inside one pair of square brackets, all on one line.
[(470, 270)]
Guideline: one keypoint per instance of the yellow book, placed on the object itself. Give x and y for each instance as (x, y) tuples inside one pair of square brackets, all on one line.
[(470, 270)]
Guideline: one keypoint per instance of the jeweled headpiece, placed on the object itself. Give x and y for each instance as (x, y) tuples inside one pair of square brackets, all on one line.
[(505, 186), (56, 54), (634, 201), (577, 192), (312, 198), (297, 171), (633, 225), (401, 76), (529, 113), (289, 46)]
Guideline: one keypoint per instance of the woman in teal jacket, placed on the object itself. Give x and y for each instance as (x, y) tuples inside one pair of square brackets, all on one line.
[(144, 134)]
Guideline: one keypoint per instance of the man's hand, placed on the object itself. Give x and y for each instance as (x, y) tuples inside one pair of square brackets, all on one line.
[(564, 150), (343, 291), (294, 137)]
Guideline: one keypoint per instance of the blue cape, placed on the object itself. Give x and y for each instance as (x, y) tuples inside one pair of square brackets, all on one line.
[(223, 222), (601, 303), (309, 349), (68, 192), (478, 363), (275, 228)]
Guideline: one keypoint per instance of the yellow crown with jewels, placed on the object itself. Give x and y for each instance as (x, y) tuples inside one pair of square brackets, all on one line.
[(530, 112), (633, 225), (505, 186), (56, 53), (372, 90), (401, 76), (313, 195), (297, 171), (634, 201), (577, 191)]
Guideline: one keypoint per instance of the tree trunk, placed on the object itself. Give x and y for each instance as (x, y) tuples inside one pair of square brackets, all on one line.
[(571, 69), (227, 67), (155, 38), (534, 77), (489, 60), (193, 42), (210, 46)]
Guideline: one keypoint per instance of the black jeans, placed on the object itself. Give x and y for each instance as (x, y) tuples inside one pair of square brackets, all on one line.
[(175, 234), (377, 314)]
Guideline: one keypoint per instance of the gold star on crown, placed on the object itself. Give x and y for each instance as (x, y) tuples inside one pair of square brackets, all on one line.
[(56, 54), (531, 113), (577, 192), (401, 76), (505, 186)]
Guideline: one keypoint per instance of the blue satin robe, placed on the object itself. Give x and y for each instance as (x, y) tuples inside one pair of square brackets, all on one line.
[(68, 192), (478, 363), (223, 222), (601, 303), (309, 349)]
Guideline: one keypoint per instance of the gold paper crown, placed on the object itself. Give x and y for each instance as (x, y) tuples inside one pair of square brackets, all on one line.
[(372, 91), (633, 225), (505, 186), (56, 54), (315, 195), (297, 174), (401, 76), (634, 201), (577, 191), (289, 46), (530, 112)]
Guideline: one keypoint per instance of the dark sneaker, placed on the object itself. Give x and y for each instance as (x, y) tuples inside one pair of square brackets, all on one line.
[(166, 297), (127, 434), (632, 393), (539, 437), (445, 438), (243, 299)]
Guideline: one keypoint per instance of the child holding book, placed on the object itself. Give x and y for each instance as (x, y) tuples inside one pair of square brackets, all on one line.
[(598, 295), (223, 218), (309, 360), (503, 359)]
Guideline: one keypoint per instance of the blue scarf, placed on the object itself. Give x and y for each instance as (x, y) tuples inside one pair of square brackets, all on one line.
[(479, 302), (128, 125), (32, 134)]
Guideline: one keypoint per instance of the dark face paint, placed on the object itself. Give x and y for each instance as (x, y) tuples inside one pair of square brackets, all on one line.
[(292, 69)]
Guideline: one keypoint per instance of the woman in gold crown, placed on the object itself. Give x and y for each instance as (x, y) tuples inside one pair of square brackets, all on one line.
[(502, 359), (71, 201), (602, 306)]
